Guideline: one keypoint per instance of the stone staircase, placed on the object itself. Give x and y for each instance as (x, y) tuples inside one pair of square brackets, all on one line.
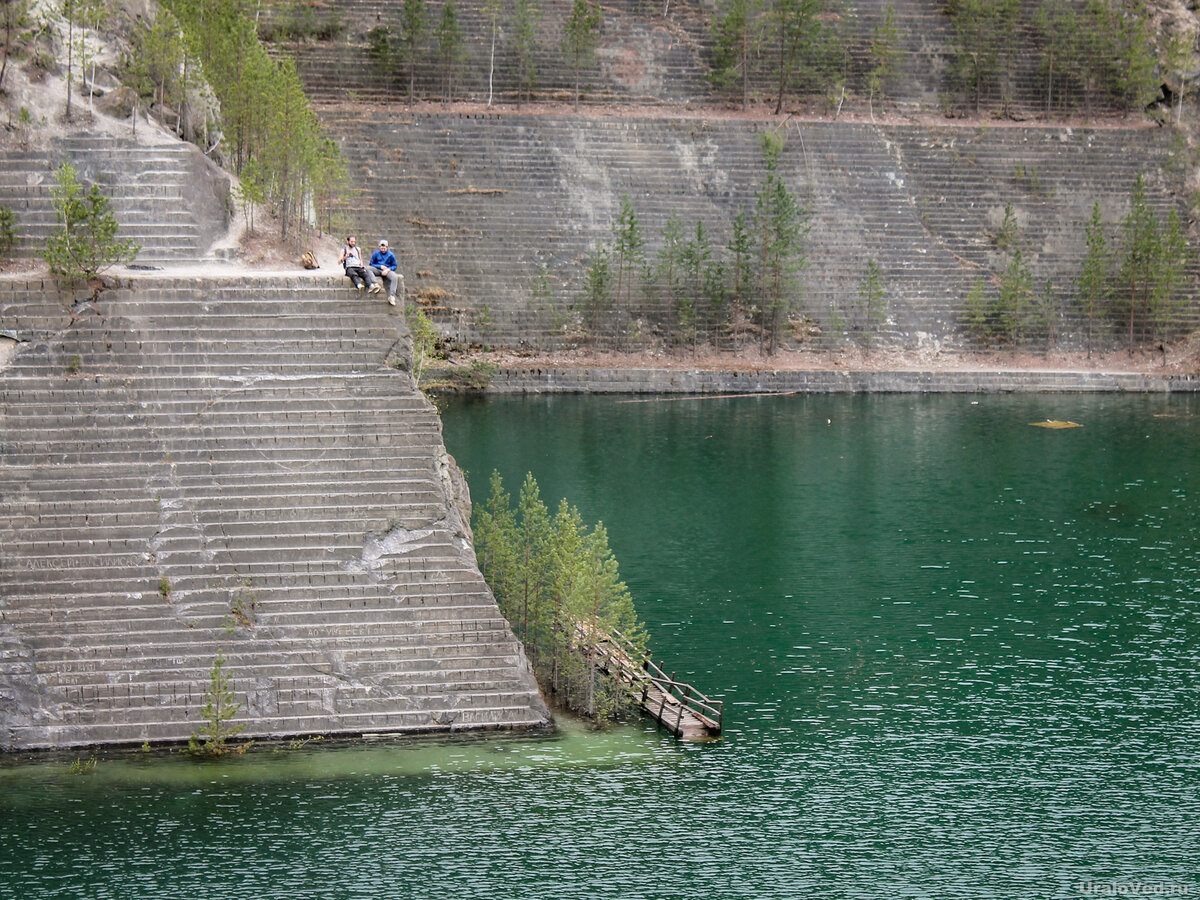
[(479, 207), (189, 467), (167, 197)]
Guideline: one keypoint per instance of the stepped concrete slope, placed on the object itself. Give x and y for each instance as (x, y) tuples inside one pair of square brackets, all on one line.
[(496, 215), (233, 465), (653, 53), (167, 197)]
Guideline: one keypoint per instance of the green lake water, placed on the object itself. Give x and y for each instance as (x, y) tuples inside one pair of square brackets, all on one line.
[(960, 658)]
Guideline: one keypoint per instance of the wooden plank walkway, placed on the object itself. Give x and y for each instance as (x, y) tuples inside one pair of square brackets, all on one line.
[(677, 706)]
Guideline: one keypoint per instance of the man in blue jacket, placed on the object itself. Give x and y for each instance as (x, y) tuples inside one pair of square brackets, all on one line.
[(383, 264)]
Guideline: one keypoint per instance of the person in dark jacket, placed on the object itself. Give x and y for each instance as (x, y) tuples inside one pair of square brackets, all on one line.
[(383, 265)]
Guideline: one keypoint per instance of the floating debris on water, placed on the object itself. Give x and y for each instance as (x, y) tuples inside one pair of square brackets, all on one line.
[(1055, 423)]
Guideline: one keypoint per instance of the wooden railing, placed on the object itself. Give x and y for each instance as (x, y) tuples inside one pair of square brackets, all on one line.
[(676, 704)]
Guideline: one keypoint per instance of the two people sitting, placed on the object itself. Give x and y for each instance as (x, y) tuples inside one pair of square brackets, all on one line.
[(382, 265)]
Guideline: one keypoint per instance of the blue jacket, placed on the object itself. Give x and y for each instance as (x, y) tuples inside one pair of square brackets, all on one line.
[(384, 258)]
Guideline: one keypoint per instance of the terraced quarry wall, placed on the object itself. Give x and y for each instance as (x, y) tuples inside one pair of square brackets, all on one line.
[(168, 198), (192, 466), (648, 52), (494, 216)]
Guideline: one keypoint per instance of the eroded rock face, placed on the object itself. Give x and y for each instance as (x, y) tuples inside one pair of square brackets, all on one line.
[(193, 467)]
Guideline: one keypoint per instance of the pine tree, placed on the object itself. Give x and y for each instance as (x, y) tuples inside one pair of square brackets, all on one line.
[(496, 544), (581, 35), (985, 31), (1139, 256), (978, 312), (1056, 27), (702, 277), (628, 246), (220, 707), (885, 54), (450, 47), (796, 33), (1015, 298), (1174, 255), (679, 307), (1094, 278), (597, 290), (86, 241), (566, 554), (533, 572), (741, 272), (1181, 61), (734, 41), (556, 583), (527, 15), (412, 30), (12, 15), (782, 223), (870, 298), (601, 602)]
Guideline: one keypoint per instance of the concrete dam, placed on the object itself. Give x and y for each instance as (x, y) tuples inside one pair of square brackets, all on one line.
[(192, 466)]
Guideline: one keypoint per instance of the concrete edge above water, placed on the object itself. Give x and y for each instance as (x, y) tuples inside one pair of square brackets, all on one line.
[(696, 381)]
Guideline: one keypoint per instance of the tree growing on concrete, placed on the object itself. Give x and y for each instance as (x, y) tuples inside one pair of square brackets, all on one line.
[(412, 31), (450, 48), (1094, 285), (1138, 272), (527, 15), (380, 55), (1174, 258), (679, 306), (872, 310), (885, 54), (740, 272), (1014, 298), (628, 248), (735, 39), (86, 242), (796, 33), (985, 32), (597, 290), (424, 341), (1056, 27), (1118, 57), (703, 278), (782, 223), (220, 707), (581, 36)]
